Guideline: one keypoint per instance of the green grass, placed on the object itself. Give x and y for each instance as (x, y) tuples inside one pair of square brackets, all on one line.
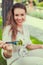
[(0, 21), (37, 14), (0, 34), (40, 4), (2, 61), (35, 40)]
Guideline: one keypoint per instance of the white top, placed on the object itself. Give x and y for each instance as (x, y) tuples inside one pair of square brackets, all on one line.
[(25, 37)]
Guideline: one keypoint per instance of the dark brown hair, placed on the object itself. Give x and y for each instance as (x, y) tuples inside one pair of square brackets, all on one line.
[(34, 4), (10, 18)]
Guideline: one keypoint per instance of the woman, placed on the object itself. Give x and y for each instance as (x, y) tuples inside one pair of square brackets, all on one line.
[(32, 2), (15, 30), (31, 6)]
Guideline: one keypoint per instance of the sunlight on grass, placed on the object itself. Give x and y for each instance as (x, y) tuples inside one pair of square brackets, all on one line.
[(0, 21), (0, 33), (35, 40)]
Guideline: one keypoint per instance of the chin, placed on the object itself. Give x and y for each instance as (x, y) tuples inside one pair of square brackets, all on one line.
[(20, 24)]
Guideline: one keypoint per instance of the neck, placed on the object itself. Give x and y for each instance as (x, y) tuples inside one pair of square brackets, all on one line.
[(20, 28)]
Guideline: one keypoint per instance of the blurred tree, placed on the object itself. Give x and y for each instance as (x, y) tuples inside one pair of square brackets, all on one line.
[(40, 0), (6, 4), (18, 0)]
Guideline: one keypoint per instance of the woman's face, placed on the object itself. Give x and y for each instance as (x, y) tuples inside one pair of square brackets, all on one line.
[(19, 15)]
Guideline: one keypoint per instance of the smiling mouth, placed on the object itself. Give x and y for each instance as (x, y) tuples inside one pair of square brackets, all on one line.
[(19, 21)]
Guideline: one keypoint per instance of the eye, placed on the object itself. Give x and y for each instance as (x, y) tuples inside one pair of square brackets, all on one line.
[(16, 15), (22, 14)]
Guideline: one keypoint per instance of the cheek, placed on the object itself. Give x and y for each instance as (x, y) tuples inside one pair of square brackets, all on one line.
[(24, 18), (15, 17)]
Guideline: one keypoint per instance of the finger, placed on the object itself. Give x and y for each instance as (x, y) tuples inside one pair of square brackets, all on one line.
[(7, 47), (1, 43), (4, 46)]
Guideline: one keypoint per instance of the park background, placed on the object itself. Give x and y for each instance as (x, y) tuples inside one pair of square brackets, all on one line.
[(35, 15)]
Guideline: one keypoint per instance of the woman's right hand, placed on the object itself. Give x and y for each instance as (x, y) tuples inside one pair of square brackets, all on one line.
[(1, 43), (7, 49)]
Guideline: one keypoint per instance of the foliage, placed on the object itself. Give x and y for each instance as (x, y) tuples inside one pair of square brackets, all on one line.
[(17, 0), (36, 13), (2, 61), (40, 4), (0, 20), (0, 27), (0, 34), (35, 40)]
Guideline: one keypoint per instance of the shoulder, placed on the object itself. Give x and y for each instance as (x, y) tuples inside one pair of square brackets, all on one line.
[(26, 22), (7, 28), (6, 36)]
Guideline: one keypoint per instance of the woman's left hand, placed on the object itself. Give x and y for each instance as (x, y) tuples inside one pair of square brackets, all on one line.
[(7, 50)]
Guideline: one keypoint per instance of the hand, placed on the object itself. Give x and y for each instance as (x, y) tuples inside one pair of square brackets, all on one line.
[(1, 43), (5, 46), (7, 49), (42, 46)]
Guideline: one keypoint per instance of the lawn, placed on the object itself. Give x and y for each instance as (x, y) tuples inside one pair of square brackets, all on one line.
[(0, 21), (36, 13), (35, 40)]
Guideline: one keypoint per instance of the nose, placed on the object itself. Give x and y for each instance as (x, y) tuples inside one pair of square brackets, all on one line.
[(19, 17)]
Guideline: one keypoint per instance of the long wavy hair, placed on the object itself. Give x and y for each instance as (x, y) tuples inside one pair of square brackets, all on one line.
[(11, 21)]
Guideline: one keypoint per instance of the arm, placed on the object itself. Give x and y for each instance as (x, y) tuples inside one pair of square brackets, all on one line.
[(30, 45), (7, 48), (34, 46)]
